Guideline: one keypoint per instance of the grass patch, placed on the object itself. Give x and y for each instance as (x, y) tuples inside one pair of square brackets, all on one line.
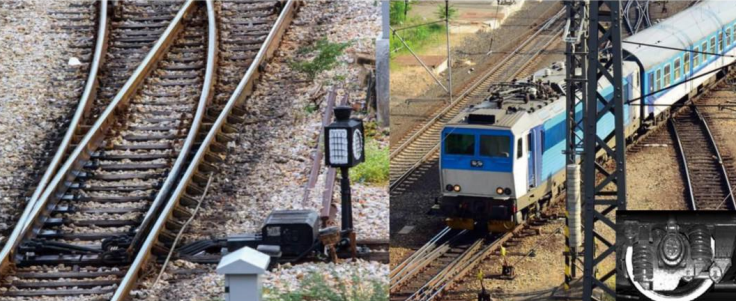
[(418, 38), (323, 55), (315, 287), (375, 168)]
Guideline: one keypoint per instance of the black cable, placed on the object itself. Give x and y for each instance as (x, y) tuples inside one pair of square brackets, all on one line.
[(678, 49)]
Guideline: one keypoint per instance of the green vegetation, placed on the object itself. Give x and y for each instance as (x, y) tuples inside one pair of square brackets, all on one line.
[(421, 36), (397, 12), (442, 9), (324, 55), (417, 38), (375, 168), (315, 287)]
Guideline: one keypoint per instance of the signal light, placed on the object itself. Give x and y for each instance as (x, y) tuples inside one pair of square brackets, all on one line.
[(499, 190), (449, 187), (457, 188)]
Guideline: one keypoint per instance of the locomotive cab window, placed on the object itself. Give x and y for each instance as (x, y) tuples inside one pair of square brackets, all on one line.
[(519, 148), (495, 146), (460, 144), (686, 63), (677, 68)]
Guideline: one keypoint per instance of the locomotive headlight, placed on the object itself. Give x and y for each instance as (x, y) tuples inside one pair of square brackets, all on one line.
[(499, 190), (473, 163), (507, 191), (456, 188), (449, 187), (480, 163)]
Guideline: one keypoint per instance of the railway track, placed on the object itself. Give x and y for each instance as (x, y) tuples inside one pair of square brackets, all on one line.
[(437, 268), (420, 149), (94, 213), (707, 180), (70, 85), (136, 175)]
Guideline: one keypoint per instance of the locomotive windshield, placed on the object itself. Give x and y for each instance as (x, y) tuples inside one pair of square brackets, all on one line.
[(460, 144), (495, 146)]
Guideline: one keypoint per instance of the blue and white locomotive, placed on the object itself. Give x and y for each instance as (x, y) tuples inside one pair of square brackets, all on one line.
[(502, 160)]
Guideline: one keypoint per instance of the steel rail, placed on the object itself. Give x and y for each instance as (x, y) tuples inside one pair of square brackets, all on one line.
[(477, 82), (66, 175), (83, 108), (145, 237), (243, 89), (681, 153), (432, 284), (425, 249), (722, 169), (459, 271), (412, 269), (462, 97)]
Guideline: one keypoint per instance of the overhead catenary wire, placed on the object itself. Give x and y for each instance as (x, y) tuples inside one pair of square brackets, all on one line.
[(679, 49)]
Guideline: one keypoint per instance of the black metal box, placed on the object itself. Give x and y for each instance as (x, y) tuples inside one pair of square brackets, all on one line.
[(294, 230)]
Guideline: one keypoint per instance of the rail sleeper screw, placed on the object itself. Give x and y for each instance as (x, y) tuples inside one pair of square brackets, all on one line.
[(715, 273)]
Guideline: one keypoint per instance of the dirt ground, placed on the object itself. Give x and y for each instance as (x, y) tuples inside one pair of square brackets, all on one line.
[(469, 58), (654, 182)]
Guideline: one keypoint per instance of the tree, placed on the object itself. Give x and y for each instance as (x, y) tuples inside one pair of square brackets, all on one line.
[(398, 12), (443, 10)]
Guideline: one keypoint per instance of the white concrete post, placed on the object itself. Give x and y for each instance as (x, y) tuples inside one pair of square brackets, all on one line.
[(383, 46), (243, 270)]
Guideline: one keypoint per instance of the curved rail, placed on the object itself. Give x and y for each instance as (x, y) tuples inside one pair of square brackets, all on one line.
[(463, 98), (83, 108), (28, 227), (200, 159), (716, 154), (722, 167), (145, 237), (681, 154)]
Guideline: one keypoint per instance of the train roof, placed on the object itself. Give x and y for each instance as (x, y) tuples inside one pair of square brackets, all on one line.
[(518, 106), (680, 31)]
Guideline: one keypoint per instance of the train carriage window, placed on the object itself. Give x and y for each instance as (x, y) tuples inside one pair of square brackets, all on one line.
[(686, 63), (460, 144), (728, 36), (677, 68), (704, 54), (519, 148), (713, 45), (495, 146), (734, 33), (667, 75), (696, 57), (658, 79), (720, 42), (651, 82), (529, 142), (636, 79)]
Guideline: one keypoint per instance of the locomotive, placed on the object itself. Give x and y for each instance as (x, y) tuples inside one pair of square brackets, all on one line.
[(503, 159)]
